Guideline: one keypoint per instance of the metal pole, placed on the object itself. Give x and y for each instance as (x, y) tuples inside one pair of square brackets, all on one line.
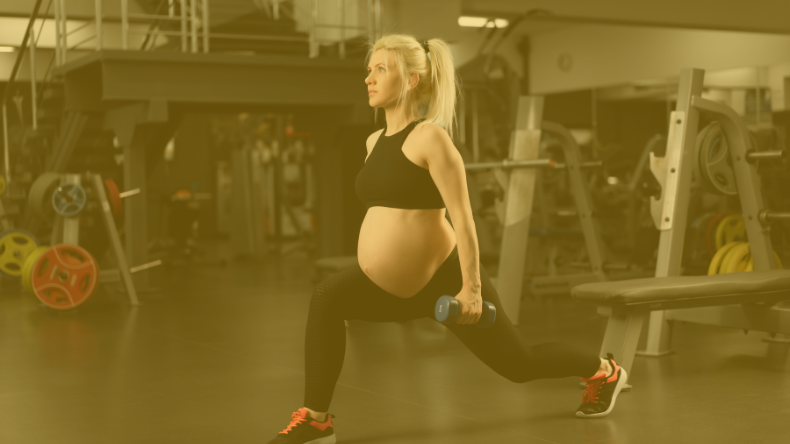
[(33, 77), (183, 26), (462, 118), (475, 128), (98, 25), (766, 215), (205, 26), (313, 37), (58, 56), (6, 161), (171, 8), (125, 24), (193, 24), (371, 22), (766, 155), (509, 164), (64, 30), (342, 44), (377, 29)]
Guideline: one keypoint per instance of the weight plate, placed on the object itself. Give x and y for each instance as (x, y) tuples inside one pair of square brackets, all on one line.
[(69, 199), (701, 137), (39, 199), (27, 269), (15, 246), (114, 196), (734, 257), (718, 258), (710, 231), (737, 258), (64, 276), (730, 229), (2, 185), (714, 162)]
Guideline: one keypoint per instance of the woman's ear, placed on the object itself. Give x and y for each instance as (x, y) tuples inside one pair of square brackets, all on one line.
[(414, 79)]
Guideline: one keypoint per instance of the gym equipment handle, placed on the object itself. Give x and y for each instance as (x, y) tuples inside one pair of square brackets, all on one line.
[(767, 215), (766, 155), (446, 311)]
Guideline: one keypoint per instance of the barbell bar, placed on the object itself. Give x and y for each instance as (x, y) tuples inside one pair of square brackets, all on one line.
[(537, 163), (754, 156), (767, 215)]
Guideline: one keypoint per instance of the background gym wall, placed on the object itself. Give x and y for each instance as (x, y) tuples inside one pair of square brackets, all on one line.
[(593, 56)]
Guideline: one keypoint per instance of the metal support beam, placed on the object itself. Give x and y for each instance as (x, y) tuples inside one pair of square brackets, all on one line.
[(136, 126), (670, 213), (115, 240), (582, 198), (519, 196)]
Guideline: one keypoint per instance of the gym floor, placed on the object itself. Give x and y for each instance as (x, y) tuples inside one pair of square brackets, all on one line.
[(217, 357)]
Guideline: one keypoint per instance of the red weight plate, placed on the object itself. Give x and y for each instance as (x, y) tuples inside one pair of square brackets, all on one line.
[(65, 276), (114, 196)]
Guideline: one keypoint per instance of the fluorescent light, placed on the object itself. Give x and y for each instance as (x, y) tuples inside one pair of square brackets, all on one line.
[(6, 49), (479, 22)]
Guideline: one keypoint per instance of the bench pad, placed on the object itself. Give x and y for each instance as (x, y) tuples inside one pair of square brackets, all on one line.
[(679, 288), (335, 263)]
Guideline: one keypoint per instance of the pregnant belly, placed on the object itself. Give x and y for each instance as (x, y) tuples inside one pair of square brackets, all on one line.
[(400, 250)]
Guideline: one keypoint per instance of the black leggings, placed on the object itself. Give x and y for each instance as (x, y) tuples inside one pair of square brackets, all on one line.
[(350, 294)]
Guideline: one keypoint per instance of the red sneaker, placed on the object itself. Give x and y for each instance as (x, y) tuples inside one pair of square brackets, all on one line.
[(303, 429), (601, 392)]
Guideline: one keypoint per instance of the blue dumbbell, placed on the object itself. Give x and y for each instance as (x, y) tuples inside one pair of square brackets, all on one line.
[(446, 311)]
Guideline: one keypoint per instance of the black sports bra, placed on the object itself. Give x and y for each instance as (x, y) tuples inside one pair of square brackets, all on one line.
[(390, 179)]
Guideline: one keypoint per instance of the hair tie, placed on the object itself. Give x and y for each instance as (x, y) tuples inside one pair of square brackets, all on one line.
[(425, 45)]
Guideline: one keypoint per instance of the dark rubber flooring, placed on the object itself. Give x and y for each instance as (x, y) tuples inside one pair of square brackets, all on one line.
[(217, 357)]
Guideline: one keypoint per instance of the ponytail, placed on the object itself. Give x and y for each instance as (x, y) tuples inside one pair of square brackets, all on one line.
[(441, 100)]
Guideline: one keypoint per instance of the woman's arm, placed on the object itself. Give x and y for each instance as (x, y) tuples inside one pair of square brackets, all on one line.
[(447, 170)]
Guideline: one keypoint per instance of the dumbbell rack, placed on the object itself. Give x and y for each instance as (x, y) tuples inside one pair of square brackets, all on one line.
[(66, 230)]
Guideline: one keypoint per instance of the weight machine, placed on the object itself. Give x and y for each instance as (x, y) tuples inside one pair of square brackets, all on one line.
[(517, 176)]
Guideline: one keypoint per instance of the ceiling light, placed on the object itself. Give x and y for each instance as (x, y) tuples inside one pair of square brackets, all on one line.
[(6, 49), (479, 22)]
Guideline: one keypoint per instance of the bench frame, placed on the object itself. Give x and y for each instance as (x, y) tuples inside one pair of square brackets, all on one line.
[(670, 214)]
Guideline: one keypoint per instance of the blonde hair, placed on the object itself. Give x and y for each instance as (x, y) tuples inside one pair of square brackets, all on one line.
[(434, 96)]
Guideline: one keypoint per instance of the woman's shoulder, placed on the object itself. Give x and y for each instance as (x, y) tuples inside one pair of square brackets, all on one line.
[(429, 132)]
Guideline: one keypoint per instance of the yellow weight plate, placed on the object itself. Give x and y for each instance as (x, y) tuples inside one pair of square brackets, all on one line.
[(15, 246), (733, 258), (730, 229), (741, 266), (30, 264), (718, 258)]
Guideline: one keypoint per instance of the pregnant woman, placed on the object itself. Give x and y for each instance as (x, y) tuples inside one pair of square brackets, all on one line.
[(409, 255)]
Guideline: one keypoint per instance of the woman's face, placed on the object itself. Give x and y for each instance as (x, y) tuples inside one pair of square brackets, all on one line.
[(384, 83)]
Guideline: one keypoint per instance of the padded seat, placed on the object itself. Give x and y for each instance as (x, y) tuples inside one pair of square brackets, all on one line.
[(689, 291), (335, 263)]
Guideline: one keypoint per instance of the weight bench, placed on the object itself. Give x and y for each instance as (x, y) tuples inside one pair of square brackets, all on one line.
[(629, 302), (328, 265)]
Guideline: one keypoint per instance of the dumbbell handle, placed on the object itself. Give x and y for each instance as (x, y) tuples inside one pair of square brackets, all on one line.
[(446, 311)]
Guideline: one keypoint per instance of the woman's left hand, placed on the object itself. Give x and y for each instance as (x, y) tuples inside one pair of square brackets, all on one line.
[(470, 308)]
